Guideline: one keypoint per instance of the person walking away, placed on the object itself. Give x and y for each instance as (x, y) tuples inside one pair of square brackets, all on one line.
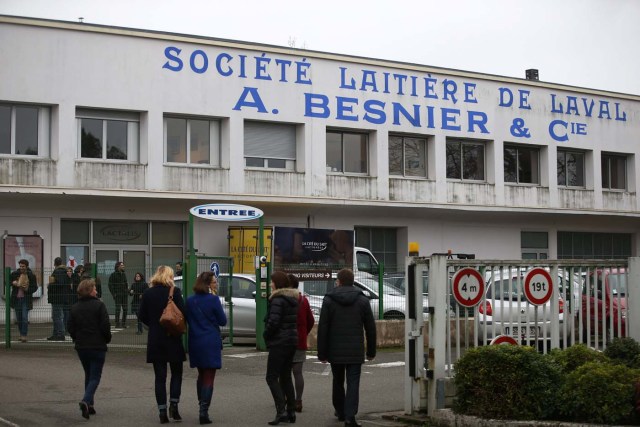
[(163, 349), (59, 281), (205, 316), (344, 316), (304, 324), (90, 330), (281, 336), (137, 289), (23, 285), (119, 288)]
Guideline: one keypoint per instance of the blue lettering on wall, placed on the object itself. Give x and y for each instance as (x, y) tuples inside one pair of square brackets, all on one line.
[(224, 72), (193, 59), (561, 134), (172, 55), (245, 102)]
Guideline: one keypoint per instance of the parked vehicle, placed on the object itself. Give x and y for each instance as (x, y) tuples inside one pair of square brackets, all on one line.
[(506, 311), (394, 300), (604, 302)]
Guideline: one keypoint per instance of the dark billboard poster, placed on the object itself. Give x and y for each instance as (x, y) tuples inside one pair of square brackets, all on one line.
[(317, 247)]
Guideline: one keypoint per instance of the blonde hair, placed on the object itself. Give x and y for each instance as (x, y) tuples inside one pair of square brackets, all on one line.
[(85, 287), (162, 277)]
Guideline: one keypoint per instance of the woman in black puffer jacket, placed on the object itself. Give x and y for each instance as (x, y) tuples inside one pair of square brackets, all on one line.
[(281, 337)]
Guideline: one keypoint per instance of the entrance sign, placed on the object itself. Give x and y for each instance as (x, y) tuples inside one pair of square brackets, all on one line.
[(311, 274), (538, 286), (468, 287), (503, 339), (226, 212)]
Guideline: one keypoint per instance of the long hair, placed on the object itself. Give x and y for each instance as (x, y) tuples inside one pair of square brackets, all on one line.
[(163, 276), (280, 279), (203, 281)]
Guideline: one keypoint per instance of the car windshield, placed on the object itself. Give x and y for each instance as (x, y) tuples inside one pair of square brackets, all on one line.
[(618, 283), (508, 290)]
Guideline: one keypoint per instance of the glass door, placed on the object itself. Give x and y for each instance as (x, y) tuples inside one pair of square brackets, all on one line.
[(135, 261)]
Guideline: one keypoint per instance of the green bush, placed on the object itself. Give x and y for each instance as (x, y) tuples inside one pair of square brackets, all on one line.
[(506, 382), (599, 393), (575, 356), (624, 350)]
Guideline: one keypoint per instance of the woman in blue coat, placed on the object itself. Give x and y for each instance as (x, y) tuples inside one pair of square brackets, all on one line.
[(163, 349), (205, 316)]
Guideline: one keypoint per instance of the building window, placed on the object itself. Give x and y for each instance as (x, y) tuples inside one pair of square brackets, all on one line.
[(407, 156), (347, 152), (270, 145), (110, 135), (614, 172), (534, 244), (192, 140), (577, 245), (521, 164), (24, 130), (570, 168), (382, 242), (465, 160)]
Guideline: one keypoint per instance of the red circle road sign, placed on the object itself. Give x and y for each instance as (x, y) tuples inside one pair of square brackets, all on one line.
[(538, 286), (468, 287), (503, 339)]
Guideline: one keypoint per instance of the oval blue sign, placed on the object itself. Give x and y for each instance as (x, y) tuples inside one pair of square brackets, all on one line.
[(225, 212)]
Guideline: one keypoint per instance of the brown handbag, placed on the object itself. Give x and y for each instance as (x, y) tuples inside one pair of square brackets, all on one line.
[(172, 319)]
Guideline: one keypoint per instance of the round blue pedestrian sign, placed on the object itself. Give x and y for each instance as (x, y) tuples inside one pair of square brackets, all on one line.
[(215, 269)]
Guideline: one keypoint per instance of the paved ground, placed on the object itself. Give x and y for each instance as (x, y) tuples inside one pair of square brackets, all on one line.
[(41, 384)]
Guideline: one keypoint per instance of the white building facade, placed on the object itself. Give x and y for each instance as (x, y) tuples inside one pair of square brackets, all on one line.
[(109, 135)]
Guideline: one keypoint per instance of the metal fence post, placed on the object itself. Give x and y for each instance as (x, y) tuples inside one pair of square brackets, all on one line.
[(7, 308), (438, 319), (633, 308)]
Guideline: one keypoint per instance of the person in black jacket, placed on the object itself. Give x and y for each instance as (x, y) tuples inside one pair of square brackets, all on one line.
[(59, 282), (137, 289), (23, 285), (345, 313), (163, 348), (119, 288), (281, 337), (90, 330)]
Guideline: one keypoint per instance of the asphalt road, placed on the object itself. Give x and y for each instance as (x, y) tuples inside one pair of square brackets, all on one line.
[(41, 386)]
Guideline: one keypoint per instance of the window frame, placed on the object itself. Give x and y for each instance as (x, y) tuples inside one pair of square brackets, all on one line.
[(519, 148), (463, 143), (132, 120), (267, 162), (584, 177), (342, 133), (215, 143), (610, 157), (43, 133), (403, 172)]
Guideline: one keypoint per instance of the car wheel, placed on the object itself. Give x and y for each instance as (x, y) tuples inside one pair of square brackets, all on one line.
[(393, 315)]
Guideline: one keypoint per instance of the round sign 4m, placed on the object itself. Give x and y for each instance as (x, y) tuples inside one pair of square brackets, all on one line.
[(468, 287)]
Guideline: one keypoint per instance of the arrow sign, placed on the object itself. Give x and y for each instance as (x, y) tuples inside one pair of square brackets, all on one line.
[(311, 274), (468, 287)]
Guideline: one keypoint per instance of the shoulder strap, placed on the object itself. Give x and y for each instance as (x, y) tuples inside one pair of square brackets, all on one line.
[(171, 292)]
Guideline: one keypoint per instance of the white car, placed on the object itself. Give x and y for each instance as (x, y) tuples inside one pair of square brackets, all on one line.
[(394, 302), (504, 310)]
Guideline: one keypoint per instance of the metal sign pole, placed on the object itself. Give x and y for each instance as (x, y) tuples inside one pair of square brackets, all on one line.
[(262, 291)]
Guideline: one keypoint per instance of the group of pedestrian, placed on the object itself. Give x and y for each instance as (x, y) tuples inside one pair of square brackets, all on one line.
[(345, 319)]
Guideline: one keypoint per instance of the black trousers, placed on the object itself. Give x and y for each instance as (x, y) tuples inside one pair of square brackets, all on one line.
[(346, 403), (279, 377)]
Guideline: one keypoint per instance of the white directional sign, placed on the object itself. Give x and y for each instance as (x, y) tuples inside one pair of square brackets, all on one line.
[(538, 286), (468, 287)]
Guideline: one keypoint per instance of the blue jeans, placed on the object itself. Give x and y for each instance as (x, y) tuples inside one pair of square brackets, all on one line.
[(92, 363), (346, 404), (57, 315), (22, 315), (175, 386)]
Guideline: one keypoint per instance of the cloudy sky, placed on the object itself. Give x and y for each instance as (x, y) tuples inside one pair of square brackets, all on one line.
[(585, 43)]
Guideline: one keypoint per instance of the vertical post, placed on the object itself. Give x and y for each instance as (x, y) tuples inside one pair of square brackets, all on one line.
[(633, 296), (189, 269), (438, 319), (261, 290), (380, 291), (7, 308)]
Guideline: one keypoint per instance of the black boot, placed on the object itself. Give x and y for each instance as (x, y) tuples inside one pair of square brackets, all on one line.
[(173, 411), (281, 417), (205, 393), (291, 416), (163, 416)]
